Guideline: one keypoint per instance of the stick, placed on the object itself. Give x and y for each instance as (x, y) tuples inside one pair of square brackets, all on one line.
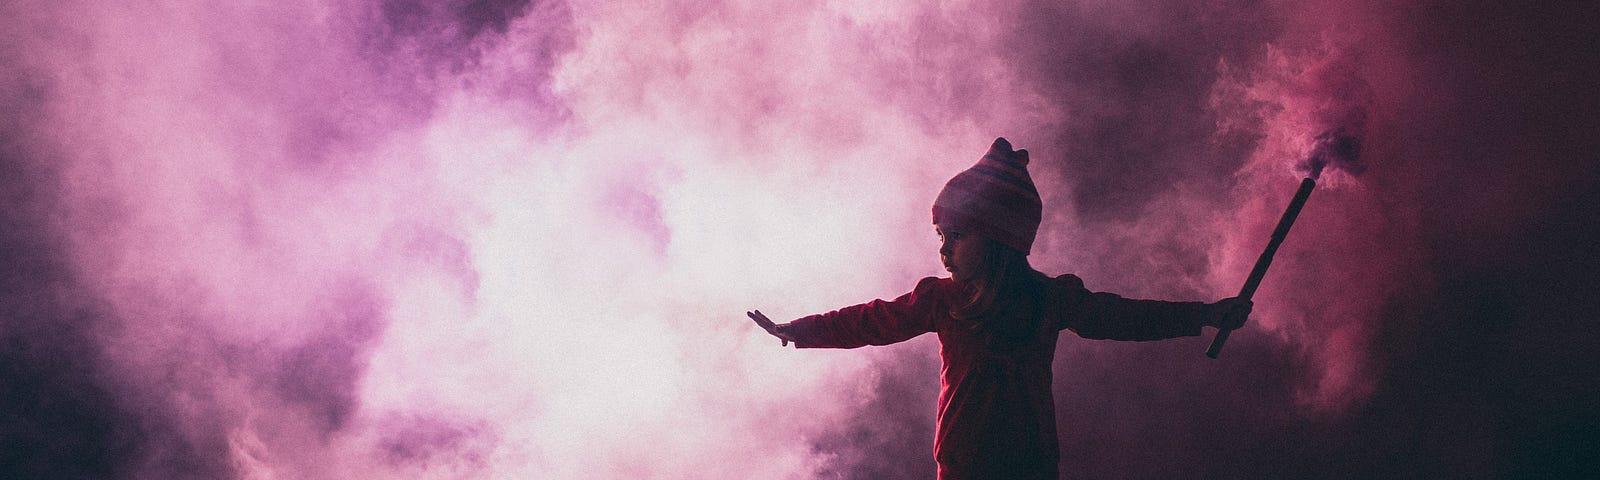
[(1265, 261)]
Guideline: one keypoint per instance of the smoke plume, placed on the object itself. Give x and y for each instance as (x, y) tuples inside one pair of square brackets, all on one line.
[(513, 239), (1334, 148)]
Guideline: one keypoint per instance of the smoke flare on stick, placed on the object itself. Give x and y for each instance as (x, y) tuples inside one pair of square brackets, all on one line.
[(1333, 148), (1259, 271)]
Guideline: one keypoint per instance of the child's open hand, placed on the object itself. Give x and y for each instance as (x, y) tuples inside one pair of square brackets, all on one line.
[(772, 328)]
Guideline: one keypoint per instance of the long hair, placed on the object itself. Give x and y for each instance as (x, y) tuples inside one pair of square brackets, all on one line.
[(1007, 297)]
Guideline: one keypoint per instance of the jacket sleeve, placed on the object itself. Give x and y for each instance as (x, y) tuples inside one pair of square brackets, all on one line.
[(877, 322), (1099, 315)]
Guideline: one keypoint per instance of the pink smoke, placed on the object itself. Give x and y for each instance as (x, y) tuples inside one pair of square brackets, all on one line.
[(512, 239)]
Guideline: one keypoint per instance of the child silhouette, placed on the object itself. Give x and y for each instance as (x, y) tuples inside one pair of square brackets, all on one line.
[(997, 320)]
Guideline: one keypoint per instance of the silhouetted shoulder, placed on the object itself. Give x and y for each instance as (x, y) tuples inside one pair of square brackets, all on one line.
[(935, 283), (1064, 296), (1067, 281), (1065, 288), (935, 288)]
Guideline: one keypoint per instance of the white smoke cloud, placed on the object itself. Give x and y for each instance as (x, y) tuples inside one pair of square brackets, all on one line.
[(513, 240)]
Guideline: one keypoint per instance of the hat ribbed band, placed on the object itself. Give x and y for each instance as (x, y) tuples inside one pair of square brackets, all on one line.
[(1022, 242)]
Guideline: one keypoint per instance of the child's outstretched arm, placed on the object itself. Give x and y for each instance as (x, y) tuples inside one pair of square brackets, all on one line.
[(1100, 315), (878, 322)]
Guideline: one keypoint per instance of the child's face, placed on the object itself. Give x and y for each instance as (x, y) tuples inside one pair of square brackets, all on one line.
[(960, 251)]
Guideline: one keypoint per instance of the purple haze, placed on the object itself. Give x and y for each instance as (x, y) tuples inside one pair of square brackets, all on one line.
[(512, 239)]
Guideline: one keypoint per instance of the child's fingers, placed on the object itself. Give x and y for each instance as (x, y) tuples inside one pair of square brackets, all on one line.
[(760, 319), (768, 324)]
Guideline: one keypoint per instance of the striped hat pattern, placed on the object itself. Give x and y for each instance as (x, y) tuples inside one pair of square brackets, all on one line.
[(995, 198)]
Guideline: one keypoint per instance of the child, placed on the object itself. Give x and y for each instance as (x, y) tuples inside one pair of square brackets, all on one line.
[(997, 320)]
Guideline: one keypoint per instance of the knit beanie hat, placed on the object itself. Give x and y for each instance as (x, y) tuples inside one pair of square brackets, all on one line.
[(995, 198)]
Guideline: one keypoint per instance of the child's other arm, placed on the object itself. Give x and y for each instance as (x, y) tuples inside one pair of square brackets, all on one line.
[(1100, 315)]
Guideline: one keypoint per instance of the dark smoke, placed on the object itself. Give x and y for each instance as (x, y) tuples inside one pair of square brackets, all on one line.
[(1333, 148), (1461, 260), (64, 412)]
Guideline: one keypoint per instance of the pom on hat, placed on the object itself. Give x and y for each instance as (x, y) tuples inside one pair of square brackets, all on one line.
[(995, 198)]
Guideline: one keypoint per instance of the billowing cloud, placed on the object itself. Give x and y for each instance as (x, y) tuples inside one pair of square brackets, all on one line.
[(513, 239)]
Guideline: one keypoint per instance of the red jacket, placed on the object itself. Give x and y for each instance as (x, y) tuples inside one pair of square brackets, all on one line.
[(996, 411)]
